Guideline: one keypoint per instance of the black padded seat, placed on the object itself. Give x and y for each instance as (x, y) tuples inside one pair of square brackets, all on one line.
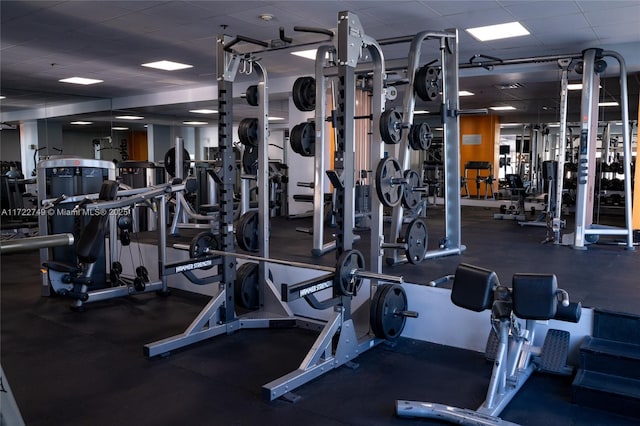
[(91, 238), (473, 287), (535, 296)]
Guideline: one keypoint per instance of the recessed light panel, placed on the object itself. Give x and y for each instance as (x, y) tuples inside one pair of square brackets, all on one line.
[(167, 65), (465, 93), (608, 104), (80, 80), (194, 123), (497, 32), (129, 117), (204, 111), (81, 123), (503, 108), (119, 128)]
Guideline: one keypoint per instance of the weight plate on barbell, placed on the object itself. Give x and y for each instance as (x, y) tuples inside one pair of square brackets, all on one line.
[(391, 126), (410, 197), (252, 95), (304, 93), (303, 139), (202, 243), (246, 289), (345, 279), (417, 239), (386, 319), (420, 137), (170, 162), (388, 188), (250, 160), (426, 84), (248, 131), (247, 232)]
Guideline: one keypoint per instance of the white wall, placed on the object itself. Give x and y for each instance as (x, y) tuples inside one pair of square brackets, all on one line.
[(10, 145)]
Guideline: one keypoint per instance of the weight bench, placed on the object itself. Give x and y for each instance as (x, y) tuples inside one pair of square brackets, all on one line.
[(74, 281), (533, 297), (517, 194)]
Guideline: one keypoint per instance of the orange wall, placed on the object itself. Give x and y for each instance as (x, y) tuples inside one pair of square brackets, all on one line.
[(636, 196), (488, 129), (138, 146)]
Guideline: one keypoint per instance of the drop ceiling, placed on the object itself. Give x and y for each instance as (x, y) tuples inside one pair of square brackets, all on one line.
[(44, 41)]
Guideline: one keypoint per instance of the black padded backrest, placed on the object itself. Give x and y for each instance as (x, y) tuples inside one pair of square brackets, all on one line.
[(473, 287), (534, 296), (514, 181), (91, 238)]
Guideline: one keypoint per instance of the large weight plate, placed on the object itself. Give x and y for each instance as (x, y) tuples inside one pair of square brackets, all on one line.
[(417, 239), (246, 289), (389, 193), (252, 96), (202, 243), (426, 84), (170, 162), (304, 93), (411, 198), (391, 126), (250, 160), (344, 280), (385, 315), (247, 232), (303, 139), (420, 137), (248, 131)]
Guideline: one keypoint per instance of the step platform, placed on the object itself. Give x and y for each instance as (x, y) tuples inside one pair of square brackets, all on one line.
[(607, 392)]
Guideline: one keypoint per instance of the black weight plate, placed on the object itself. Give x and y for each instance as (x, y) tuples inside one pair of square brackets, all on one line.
[(426, 83), (386, 322), (420, 137), (410, 198), (391, 126), (248, 131), (375, 307), (389, 193), (304, 93), (170, 162), (303, 139), (246, 289), (344, 281), (252, 95), (250, 160), (247, 233), (417, 239), (201, 244)]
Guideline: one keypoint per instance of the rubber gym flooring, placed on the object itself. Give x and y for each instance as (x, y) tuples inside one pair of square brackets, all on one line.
[(88, 369)]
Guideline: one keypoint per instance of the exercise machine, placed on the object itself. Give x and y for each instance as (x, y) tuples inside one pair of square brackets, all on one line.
[(515, 312)]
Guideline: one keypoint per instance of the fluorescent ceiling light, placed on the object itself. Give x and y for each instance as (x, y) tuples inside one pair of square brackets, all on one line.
[(167, 65), (606, 104), (119, 128), (309, 54), (421, 111), (574, 86), (194, 123), (465, 93), (3, 97), (502, 108), (80, 80), (204, 111), (438, 128), (496, 32), (81, 123), (275, 118), (511, 125), (553, 125), (129, 117)]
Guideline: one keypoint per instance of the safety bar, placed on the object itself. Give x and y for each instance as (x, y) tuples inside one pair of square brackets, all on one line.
[(33, 243)]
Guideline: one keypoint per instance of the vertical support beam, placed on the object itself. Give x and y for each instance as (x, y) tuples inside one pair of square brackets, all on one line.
[(562, 142), (228, 171), (636, 195), (451, 126), (586, 151)]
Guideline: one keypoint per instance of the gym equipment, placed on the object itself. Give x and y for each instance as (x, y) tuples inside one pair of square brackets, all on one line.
[(532, 298), (420, 137), (389, 182), (250, 160), (487, 180), (248, 131), (33, 243), (202, 243), (303, 139), (170, 162), (414, 243), (391, 126), (427, 83), (143, 174), (69, 177), (304, 93), (251, 95), (412, 190), (389, 313), (247, 291), (247, 231)]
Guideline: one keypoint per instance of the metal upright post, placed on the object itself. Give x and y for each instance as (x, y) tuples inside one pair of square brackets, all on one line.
[(557, 208), (586, 152)]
